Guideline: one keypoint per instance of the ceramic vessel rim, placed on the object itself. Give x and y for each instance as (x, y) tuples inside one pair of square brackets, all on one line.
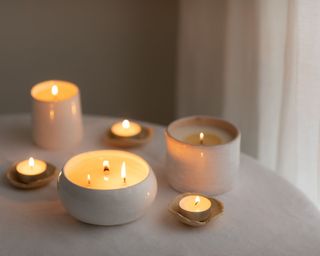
[(57, 80), (108, 190), (234, 138)]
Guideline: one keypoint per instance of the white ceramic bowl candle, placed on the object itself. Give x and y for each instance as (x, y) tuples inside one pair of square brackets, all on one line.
[(57, 117), (202, 154), (107, 187)]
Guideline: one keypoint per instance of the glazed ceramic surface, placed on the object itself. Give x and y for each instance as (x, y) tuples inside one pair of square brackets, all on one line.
[(57, 122), (208, 169)]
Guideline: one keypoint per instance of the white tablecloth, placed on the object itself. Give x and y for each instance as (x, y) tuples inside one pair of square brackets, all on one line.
[(264, 214)]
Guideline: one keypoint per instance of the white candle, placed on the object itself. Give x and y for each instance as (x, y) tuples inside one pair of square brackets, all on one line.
[(203, 154), (195, 207), (195, 203), (204, 135), (89, 170), (119, 196), (57, 119), (31, 167), (126, 128)]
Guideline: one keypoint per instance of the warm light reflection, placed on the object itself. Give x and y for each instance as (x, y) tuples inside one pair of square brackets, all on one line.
[(31, 162), (123, 171), (196, 200), (126, 124), (54, 90), (51, 113)]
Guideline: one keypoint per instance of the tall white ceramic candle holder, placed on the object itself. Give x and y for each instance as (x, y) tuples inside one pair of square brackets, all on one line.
[(202, 155), (56, 116), (107, 187)]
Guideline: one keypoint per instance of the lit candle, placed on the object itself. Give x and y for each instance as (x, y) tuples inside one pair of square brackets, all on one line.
[(89, 179), (30, 170), (106, 166), (123, 172), (119, 197), (57, 120), (201, 137), (202, 154), (89, 169), (126, 128), (195, 207), (54, 90), (212, 136)]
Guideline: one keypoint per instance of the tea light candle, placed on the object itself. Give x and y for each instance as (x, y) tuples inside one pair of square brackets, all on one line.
[(202, 154), (30, 170), (57, 118), (126, 128), (195, 207), (107, 187)]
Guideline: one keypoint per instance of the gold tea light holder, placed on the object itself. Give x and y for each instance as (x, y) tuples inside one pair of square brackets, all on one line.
[(127, 134), (193, 218), (28, 182)]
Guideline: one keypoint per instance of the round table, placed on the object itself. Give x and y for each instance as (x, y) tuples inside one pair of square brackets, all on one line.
[(264, 214)]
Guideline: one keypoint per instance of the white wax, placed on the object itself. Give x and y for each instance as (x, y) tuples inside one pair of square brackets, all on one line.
[(87, 169), (126, 128), (25, 168)]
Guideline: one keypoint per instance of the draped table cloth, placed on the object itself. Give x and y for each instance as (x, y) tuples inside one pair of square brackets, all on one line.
[(264, 214)]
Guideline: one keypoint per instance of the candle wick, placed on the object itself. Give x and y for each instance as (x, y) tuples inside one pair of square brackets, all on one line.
[(196, 203), (106, 169), (124, 180)]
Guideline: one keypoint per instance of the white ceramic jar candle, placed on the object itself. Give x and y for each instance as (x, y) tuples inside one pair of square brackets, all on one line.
[(57, 117), (107, 187), (202, 154)]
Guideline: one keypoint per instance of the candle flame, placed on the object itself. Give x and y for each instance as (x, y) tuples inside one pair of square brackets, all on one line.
[(126, 124), (54, 90), (106, 165), (201, 137), (31, 162), (196, 200), (123, 171), (89, 179)]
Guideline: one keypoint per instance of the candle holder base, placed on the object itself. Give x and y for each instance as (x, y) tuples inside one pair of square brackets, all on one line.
[(217, 209), (126, 142), (12, 177)]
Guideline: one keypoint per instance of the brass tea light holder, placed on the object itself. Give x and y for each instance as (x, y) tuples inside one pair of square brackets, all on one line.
[(181, 208)]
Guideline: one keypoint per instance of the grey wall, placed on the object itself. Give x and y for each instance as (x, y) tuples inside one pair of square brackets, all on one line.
[(120, 53)]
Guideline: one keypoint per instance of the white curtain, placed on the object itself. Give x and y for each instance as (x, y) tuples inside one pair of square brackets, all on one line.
[(257, 63)]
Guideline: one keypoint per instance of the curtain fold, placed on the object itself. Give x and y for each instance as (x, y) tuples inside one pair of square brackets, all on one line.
[(257, 63)]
